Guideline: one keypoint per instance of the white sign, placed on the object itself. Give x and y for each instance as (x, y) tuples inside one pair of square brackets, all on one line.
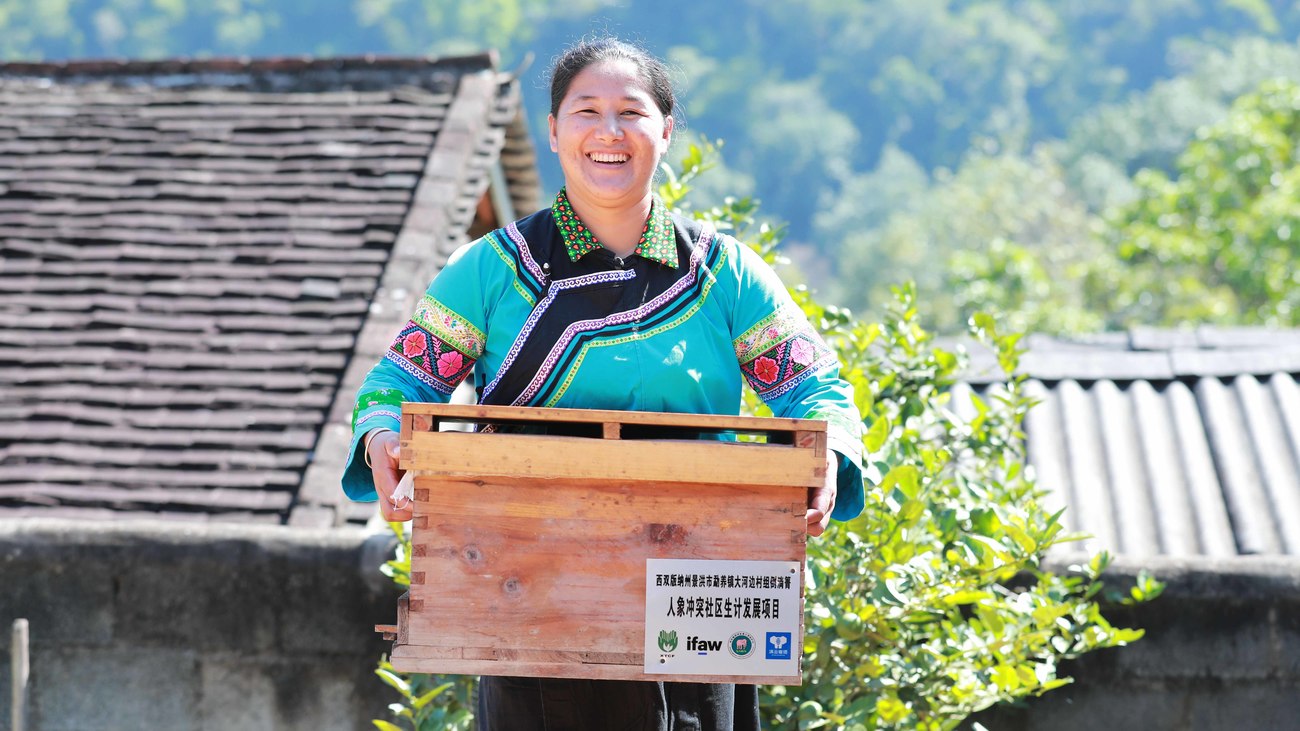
[(722, 617)]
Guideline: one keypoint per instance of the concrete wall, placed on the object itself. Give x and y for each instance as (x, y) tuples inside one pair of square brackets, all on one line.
[(1221, 653), (143, 626), (150, 626)]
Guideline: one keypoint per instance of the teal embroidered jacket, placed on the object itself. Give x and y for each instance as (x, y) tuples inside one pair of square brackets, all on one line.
[(542, 318)]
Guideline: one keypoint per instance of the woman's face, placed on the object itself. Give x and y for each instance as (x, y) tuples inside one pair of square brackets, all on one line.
[(609, 135)]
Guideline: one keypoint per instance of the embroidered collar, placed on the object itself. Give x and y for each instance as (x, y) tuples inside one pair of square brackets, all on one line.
[(658, 241)]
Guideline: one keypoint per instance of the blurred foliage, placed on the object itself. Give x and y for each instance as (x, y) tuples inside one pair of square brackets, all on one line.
[(851, 120), (1219, 242), (1216, 243), (1004, 233), (933, 604)]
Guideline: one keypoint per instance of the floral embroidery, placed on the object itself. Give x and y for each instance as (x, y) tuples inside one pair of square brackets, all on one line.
[(449, 363), (414, 344), (767, 333), (765, 368), (801, 352), (779, 352), (437, 346), (658, 239), (449, 327)]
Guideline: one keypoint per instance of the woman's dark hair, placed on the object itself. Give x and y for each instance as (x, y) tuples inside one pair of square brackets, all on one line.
[(587, 52)]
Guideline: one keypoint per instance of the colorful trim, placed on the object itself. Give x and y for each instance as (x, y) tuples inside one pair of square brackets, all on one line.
[(779, 352), (658, 239), (572, 370), (618, 318), (449, 327), (560, 285), (767, 333), (516, 258), (377, 404), (437, 346), (525, 254)]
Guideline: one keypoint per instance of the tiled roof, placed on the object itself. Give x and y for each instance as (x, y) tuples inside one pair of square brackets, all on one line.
[(1170, 442), (188, 254)]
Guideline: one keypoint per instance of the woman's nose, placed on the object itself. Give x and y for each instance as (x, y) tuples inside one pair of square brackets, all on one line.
[(609, 127)]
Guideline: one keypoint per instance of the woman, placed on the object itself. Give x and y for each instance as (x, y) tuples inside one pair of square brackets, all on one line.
[(607, 301)]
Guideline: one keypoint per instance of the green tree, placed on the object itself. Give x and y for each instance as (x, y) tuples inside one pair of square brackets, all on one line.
[(1004, 233), (1220, 241), (1106, 146)]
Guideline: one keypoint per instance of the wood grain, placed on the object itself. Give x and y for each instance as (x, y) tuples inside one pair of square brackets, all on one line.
[(416, 659), (478, 413), (529, 551), (657, 461)]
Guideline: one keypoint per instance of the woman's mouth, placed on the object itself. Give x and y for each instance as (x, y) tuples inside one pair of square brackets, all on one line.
[(608, 158)]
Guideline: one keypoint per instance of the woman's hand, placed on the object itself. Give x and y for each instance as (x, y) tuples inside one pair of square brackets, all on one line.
[(821, 500), (384, 452)]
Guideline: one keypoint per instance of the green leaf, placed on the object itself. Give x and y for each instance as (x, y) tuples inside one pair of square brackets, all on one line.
[(424, 699), (911, 511), (876, 435), (966, 597), (394, 680), (891, 710), (905, 478), (1005, 677)]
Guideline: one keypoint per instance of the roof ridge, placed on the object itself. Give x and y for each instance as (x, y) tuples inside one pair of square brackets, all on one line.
[(244, 64)]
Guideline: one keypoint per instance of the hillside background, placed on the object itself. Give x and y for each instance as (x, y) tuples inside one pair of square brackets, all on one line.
[(1073, 165)]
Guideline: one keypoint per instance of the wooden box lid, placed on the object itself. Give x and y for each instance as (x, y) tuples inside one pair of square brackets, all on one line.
[(529, 550)]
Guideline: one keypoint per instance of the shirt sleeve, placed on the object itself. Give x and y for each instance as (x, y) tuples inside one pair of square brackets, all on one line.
[(428, 357), (794, 372)]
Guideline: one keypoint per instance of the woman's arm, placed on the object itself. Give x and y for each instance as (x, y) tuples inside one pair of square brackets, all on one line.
[(427, 359), (793, 371)]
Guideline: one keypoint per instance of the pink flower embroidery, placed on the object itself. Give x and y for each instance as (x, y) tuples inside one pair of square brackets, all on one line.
[(766, 370), (801, 352), (449, 363), (414, 344)]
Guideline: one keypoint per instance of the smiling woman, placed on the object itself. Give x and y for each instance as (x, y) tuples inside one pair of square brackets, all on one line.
[(606, 300), (610, 124)]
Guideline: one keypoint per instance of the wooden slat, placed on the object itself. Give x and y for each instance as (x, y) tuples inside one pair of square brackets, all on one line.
[(598, 416), (532, 456), (410, 659), (540, 572)]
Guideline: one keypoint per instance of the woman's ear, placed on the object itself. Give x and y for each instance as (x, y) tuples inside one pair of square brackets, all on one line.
[(550, 124), (668, 132)]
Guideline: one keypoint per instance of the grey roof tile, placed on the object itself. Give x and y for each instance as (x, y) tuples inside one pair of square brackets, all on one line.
[(187, 254), (1200, 458)]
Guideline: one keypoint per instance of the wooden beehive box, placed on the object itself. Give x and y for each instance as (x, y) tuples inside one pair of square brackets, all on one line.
[(530, 551)]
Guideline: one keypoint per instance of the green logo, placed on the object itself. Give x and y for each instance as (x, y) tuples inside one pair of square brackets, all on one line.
[(741, 645), (667, 640)]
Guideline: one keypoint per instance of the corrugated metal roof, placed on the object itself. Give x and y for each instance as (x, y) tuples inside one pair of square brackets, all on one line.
[(1170, 442)]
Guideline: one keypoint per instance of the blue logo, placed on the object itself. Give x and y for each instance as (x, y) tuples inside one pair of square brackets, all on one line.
[(778, 645)]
